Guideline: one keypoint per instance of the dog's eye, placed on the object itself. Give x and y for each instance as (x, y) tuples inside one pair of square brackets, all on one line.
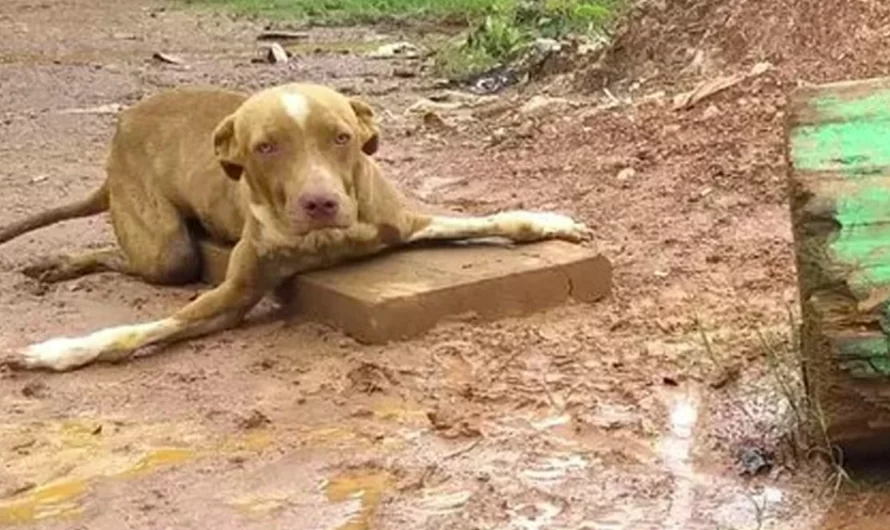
[(342, 138), (265, 148)]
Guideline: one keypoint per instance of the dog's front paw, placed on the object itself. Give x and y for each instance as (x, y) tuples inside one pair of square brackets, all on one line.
[(532, 226), (557, 226), (58, 355)]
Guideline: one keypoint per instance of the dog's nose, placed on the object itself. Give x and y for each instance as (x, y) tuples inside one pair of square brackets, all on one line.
[(320, 207)]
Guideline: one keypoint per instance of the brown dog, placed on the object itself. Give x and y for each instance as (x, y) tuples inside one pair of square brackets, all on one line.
[(287, 178)]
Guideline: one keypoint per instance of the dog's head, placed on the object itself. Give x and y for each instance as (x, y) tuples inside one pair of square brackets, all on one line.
[(299, 148)]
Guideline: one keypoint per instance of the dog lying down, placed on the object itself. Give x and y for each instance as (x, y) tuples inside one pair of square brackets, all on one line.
[(285, 175)]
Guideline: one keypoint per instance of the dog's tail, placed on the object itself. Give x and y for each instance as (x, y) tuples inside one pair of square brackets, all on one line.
[(95, 203)]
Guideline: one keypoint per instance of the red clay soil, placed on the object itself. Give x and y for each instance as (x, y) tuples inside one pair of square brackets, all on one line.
[(611, 416), (809, 41)]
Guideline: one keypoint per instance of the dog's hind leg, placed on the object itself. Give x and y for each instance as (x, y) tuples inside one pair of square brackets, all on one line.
[(156, 242), (156, 246), (68, 267)]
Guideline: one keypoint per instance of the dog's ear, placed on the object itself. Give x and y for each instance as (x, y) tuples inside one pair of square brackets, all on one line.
[(226, 149), (369, 133)]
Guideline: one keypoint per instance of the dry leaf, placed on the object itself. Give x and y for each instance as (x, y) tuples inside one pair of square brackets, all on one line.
[(282, 35), (167, 58)]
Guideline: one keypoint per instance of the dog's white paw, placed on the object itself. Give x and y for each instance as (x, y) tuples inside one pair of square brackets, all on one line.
[(112, 344), (59, 354), (531, 226)]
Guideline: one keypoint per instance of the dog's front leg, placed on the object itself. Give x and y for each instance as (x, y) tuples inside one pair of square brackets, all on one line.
[(223, 307), (515, 225)]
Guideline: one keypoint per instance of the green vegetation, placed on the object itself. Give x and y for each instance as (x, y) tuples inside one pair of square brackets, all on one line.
[(496, 31), (504, 32)]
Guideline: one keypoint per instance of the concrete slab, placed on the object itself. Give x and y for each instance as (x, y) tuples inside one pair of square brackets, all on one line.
[(401, 294)]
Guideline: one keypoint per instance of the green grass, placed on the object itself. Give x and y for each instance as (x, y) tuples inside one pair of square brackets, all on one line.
[(495, 31), (358, 11), (574, 12)]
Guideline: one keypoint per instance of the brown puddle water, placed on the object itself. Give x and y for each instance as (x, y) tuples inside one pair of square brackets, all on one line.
[(365, 485), (394, 421), (64, 458), (59, 500), (64, 498)]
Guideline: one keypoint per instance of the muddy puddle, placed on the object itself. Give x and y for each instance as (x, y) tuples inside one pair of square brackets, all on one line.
[(54, 465), (364, 490)]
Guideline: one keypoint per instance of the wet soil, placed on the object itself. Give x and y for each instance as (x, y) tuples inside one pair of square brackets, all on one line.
[(610, 416)]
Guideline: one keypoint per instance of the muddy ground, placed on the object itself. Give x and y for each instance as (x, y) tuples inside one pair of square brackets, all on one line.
[(611, 416)]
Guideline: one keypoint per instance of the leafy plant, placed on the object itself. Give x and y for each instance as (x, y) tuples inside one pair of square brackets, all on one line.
[(510, 26)]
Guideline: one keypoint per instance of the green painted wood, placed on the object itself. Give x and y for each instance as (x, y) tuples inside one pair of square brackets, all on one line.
[(853, 145), (847, 108), (838, 150)]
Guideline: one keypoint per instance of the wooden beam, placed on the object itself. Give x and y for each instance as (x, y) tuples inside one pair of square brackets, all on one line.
[(838, 153), (401, 294)]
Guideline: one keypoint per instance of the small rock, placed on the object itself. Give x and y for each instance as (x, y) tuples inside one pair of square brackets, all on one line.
[(362, 412), (760, 68), (450, 424), (612, 417), (276, 54), (35, 389), (545, 45), (404, 73), (369, 378), (526, 130), (626, 174), (396, 49), (433, 120), (255, 420), (267, 363), (724, 376), (425, 105), (754, 460), (591, 47), (711, 112), (658, 98), (540, 104)]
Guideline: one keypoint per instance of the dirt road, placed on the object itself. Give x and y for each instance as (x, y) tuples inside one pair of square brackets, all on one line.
[(602, 417)]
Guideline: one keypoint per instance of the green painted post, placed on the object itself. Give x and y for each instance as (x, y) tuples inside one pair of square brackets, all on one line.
[(838, 138)]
